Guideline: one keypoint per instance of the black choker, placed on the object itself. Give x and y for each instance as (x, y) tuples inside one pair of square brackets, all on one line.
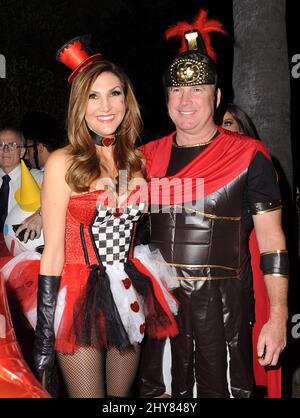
[(103, 141)]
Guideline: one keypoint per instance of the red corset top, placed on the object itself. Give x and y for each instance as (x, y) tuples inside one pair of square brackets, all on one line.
[(96, 229)]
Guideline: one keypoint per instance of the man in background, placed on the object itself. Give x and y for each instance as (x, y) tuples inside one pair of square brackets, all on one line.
[(12, 149), (43, 135)]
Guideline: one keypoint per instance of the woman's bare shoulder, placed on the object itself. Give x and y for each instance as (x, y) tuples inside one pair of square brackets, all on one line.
[(59, 158), (55, 171)]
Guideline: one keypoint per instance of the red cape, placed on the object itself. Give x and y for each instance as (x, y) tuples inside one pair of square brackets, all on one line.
[(264, 376), (222, 161)]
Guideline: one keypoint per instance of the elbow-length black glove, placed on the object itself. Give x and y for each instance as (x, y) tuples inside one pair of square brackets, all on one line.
[(43, 351)]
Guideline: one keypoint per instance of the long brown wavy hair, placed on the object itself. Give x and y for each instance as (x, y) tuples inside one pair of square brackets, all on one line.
[(85, 163)]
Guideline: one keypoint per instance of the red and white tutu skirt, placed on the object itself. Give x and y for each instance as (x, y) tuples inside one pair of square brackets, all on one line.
[(101, 306)]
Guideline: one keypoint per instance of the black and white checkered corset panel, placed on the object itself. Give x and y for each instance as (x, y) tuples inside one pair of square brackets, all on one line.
[(112, 231)]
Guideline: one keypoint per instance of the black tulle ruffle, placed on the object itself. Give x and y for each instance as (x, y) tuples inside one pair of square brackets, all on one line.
[(97, 321)]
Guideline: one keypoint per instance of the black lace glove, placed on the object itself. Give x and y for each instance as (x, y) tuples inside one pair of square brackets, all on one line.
[(43, 351)]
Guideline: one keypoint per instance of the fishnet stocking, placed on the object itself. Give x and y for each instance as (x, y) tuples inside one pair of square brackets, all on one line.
[(84, 371), (121, 370)]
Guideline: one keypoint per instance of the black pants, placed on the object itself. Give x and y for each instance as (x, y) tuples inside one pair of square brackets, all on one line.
[(212, 349)]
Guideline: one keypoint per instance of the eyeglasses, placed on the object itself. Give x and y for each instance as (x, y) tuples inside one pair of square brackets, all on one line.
[(11, 146)]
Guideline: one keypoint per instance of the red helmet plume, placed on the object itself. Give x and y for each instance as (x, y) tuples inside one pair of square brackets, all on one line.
[(203, 25)]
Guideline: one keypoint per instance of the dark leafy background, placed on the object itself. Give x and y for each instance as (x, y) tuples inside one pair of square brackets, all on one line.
[(128, 32)]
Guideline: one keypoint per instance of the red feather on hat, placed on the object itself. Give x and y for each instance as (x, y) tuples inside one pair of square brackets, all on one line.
[(204, 26)]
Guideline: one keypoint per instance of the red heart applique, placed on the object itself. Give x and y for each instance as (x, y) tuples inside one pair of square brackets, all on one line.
[(142, 328), (135, 306), (126, 283), (118, 212)]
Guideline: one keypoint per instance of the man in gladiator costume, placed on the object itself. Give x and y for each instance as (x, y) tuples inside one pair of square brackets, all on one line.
[(204, 231)]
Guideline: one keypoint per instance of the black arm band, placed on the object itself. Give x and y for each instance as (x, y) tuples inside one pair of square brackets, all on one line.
[(262, 207), (275, 263)]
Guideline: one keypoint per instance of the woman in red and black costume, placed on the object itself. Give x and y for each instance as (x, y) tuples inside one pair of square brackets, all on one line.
[(95, 300)]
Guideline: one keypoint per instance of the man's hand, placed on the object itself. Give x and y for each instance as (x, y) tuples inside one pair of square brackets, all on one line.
[(33, 226), (271, 341)]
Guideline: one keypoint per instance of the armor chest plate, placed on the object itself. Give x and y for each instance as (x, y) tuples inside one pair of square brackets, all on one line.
[(206, 239)]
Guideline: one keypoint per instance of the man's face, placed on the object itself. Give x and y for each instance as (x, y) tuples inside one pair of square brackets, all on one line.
[(30, 153), (9, 156), (191, 108)]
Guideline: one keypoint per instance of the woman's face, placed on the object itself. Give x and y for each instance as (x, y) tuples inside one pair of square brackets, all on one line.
[(230, 123), (106, 105)]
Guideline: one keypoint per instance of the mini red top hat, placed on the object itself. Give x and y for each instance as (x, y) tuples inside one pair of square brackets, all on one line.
[(75, 55)]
